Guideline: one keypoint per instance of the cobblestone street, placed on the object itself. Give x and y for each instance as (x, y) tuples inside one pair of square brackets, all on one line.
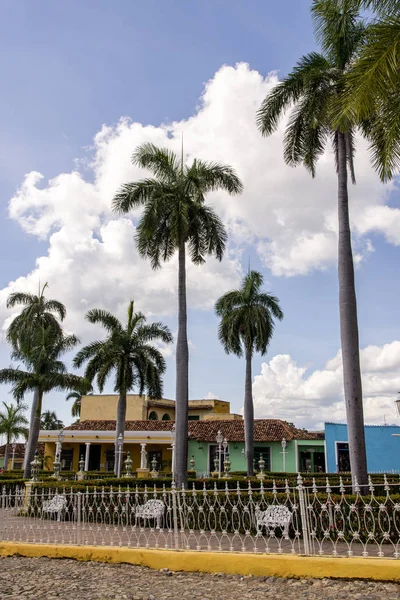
[(47, 579)]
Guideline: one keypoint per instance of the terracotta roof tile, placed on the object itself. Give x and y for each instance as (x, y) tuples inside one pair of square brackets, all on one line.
[(19, 450), (265, 430)]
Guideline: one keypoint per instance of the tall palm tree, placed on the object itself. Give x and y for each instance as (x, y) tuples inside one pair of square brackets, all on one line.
[(38, 311), (312, 89), (41, 355), (373, 83), (128, 352), (50, 421), (176, 219), (13, 424), (247, 324)]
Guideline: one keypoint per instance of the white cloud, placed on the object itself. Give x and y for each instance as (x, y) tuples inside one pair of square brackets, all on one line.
[(290, 219), (288, 391)]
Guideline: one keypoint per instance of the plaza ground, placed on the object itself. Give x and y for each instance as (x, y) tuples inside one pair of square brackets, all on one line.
[(47, 579)]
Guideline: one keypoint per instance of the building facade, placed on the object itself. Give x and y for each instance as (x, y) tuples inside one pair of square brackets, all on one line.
[(382, 445), (94, 442)]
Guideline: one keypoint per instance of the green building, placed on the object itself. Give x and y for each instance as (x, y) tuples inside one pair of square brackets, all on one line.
[(283, 447)]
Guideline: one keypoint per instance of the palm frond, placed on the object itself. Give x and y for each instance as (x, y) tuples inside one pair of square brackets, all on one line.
[(163, 163), (105, 318), (289, 91), (206, 177), (135, 194)]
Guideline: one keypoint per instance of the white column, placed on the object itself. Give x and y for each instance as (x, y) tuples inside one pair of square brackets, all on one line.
[(143, 461), (173, 460), (87, 456), (296, 450)]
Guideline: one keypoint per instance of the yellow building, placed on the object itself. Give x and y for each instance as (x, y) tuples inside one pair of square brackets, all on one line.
[(149, 425), (103, 407)]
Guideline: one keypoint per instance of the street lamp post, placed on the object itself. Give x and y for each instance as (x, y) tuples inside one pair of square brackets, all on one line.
[(120, 444), (173, 436), (283, 444), (59, 444), (225, 447), (14, 447), (219, 439)]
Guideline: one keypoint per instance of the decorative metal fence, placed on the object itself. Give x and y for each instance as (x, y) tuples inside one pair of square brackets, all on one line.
[(316, 520)]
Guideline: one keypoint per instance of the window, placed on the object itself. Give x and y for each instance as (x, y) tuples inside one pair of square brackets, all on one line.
[(213, 459), (110, 455), (166, 417), (266, 454), (153, 416), (343, 457), (193, 418), (66, 459)]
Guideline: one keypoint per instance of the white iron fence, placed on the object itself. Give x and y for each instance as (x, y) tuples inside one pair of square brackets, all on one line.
[(316, 520)]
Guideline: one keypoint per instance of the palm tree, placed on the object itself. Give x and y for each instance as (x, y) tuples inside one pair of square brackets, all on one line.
[(76, 407), (13, 424), (176, 219), (41, 355), (38, 311), (373, 84), (247, 324), (313, 89), (128, 352), (50, 421)]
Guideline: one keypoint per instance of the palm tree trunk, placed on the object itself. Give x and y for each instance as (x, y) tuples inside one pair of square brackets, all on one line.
[(33, 432), (120, 429), (6, 455), (182, 376), (349, 329), (249, 416)]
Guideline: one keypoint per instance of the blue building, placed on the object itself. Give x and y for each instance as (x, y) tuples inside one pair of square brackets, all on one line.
[(383, 450)]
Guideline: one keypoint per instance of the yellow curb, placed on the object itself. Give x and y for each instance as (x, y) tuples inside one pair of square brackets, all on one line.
[(259, 565)]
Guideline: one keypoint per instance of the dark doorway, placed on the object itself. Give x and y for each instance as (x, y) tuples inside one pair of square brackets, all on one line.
[(343, 457), (94, 455), (214, 453)]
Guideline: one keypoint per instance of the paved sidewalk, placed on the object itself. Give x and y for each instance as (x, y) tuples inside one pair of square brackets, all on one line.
[(47, 579)]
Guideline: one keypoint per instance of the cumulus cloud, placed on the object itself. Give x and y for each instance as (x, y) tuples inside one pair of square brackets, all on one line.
[(286, 216), (289, 391)]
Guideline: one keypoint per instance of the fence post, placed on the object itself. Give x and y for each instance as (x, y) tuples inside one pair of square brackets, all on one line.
[(78, 519), (304, 516), (175, 515)]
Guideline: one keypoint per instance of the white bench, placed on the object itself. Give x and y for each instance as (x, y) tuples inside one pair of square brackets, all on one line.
[(153, 509), (55, 505), (275, 516)]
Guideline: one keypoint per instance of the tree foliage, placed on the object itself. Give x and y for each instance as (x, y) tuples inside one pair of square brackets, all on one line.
[(247, 317), (128, 352), (50, 421)]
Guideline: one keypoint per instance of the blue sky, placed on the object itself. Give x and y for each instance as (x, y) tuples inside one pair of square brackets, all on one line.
[(68, 68)]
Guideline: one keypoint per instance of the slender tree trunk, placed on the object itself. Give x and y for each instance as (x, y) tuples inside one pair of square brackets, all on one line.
[(349, 329), (120, 428), (33, 432), (6, 455), (182, 377), (249, 416)]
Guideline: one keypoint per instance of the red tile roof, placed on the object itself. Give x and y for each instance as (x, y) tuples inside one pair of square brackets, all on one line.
[(265, 430), (19, 450)]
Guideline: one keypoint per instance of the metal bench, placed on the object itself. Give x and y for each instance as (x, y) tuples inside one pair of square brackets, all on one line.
[(55, 505), (275, 516), (153, 509)]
